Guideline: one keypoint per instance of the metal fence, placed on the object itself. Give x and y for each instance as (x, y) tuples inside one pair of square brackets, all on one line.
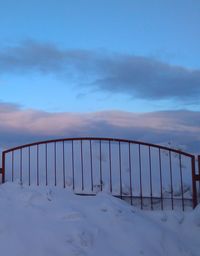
[(146, 175)]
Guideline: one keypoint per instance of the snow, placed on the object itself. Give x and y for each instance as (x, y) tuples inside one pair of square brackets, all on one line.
[(52, 221)]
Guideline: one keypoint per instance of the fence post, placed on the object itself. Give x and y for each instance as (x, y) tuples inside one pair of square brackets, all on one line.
[(194, 179), (199, 173), (3, 167)]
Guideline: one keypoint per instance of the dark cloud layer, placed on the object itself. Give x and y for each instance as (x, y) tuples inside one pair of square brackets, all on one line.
[(139, 77), (18, 126)]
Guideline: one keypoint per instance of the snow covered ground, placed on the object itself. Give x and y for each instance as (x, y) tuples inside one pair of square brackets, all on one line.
[(54, 222)]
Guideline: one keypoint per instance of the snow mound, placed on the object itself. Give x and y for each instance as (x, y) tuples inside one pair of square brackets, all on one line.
[(50, 221)]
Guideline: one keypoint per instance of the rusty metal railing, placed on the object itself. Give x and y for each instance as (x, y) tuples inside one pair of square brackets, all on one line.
[(144, 174)]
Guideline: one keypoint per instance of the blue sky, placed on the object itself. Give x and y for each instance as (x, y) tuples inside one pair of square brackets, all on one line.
[(94, 56)]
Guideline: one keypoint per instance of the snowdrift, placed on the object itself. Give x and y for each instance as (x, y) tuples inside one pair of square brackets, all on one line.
[(51, 221)]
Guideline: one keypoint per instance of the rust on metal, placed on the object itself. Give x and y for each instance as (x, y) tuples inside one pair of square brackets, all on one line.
[(3, 167), (194, 188), (125, 162), (102, 139)]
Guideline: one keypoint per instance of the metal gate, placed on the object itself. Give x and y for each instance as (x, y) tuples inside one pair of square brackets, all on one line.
[(146, 175)]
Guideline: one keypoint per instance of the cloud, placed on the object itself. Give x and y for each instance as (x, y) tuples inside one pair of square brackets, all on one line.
[(19, 126), (32, 56), (136, 76)]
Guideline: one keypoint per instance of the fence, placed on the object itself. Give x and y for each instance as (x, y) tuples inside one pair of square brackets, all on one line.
[(148, 175)]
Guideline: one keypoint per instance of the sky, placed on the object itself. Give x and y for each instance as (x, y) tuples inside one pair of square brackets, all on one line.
[(117, 68)]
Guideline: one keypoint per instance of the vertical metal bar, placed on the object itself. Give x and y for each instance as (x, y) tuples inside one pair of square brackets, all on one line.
[(91, 166), (82, 177), (199, 173), (161, 188), (130, 173), (55, 163), (110, 166), (3, 166), (181, 176), (37, 148), (150, 173), (73, 164), (20, 165), (199, 164), (120, 169), (140, 169), (194, 188), (46, 163), (29, 166), (12, 166), (63, 163), (101, 180), (171, 179)]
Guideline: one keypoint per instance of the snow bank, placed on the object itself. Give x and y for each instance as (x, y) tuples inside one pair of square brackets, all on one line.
[(45, 221)]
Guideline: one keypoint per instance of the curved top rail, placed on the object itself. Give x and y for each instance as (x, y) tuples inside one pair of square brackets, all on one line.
[(102, 139)]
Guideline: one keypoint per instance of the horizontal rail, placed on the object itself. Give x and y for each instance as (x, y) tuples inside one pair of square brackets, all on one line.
[(102, 139)]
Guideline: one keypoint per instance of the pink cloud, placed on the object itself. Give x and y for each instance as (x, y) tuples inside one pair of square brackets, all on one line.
[(27, 124)]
